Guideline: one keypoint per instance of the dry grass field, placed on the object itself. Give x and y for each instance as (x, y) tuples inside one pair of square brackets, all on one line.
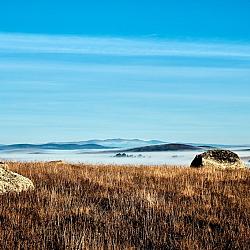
[(126, 207)]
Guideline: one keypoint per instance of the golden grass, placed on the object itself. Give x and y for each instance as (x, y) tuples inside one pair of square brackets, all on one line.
[(126, 207)]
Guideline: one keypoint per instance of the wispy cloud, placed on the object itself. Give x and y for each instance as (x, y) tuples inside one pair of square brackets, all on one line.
[(58, 44), (98, 85)]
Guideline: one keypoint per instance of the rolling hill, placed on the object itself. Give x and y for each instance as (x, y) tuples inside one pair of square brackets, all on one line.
[(164, 147)]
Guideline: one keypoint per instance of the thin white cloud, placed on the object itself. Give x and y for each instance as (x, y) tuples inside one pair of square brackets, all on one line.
[(116, 71), (31, 43)]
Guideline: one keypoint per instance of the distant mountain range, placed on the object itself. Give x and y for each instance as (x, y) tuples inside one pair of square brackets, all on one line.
[(89, 144), (121, 143), (126, 145), (52, 146)]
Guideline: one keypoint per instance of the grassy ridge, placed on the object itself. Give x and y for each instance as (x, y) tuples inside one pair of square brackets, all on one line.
[(119, 207)]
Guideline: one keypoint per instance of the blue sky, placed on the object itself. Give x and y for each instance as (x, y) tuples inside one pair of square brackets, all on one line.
[(170, 70)]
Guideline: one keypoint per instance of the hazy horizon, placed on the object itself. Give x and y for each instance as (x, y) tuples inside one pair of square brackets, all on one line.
[(125, 139)]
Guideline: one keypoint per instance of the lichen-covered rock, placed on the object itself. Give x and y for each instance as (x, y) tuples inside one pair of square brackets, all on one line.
[(13, 182), (222, 159), (3, 165)]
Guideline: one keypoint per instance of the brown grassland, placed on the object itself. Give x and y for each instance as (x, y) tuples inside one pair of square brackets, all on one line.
[(126, 207)]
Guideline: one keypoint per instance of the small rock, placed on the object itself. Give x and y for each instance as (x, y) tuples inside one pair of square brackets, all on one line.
[(222, 159)]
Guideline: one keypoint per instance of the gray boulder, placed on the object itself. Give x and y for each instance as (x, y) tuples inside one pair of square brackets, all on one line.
[(13, 182), (222, 159)]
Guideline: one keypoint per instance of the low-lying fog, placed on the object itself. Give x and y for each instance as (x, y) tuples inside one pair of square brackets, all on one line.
[(147, 158)]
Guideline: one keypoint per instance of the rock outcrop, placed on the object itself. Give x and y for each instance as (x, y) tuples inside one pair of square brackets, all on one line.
[(222, 159), (13, 182)]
